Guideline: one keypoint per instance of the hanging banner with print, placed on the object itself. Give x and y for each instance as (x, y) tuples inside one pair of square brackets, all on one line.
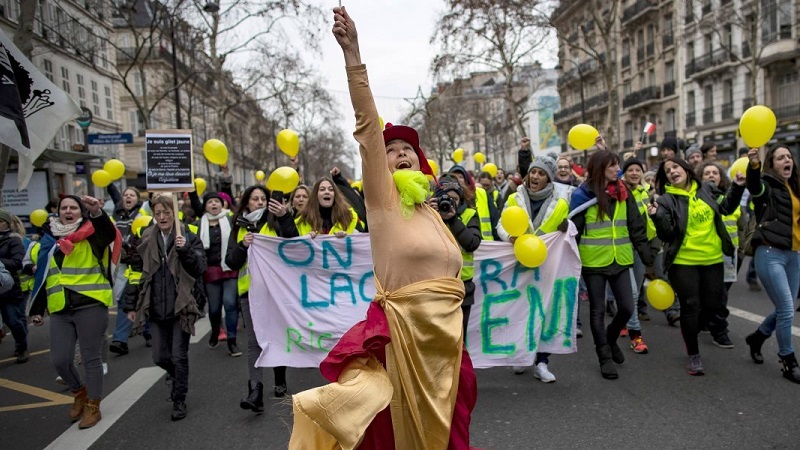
[(306, 293)]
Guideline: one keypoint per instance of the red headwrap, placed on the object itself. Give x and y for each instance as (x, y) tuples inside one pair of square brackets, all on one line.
[(408, 134)]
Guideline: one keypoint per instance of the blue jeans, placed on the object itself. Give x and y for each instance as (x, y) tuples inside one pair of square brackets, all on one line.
[(779, 272), (123, 326), (223, 293), (13, 313)]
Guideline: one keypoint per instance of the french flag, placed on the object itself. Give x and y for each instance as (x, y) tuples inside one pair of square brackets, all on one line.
[(649, 128)]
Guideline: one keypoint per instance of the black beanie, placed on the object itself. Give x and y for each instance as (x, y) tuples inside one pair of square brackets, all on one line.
[(208, 196), (630, 162), (670, 143)]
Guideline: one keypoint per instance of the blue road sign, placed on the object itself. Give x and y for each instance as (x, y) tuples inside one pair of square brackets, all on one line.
[(110, 138)]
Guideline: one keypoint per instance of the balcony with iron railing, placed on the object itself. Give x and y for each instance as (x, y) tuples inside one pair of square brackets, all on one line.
[(690, 119), (641, 96), (714, 60), (638, 9), (708, 115), (727, 110), (668, 40), (669, 88), (787, 112)]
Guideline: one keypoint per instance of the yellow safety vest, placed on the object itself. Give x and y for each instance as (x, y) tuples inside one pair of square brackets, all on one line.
[(468, 267), (482, 206), (80, 272), (639, 194), (26, 281), (606, 241), (193, 228), (243, 284), (731, 226), (304, 228), (552, 221)]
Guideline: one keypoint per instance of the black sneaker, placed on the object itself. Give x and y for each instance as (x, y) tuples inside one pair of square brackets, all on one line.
[(22, 356), (233, 349), (178, 410), (148, 341), (280, 391), (672, 319), (722, 341), (754, 286), (120, 348), (213, 341)]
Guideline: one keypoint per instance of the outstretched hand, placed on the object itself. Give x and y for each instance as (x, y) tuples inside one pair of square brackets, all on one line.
[(344, 30)]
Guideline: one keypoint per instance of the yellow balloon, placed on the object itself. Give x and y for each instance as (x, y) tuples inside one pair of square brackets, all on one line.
[(382, 123), (434, 167), (115, 168), (101, 178), (199, 186), (289, 142), (757, 126), (660, 295), (530, 250), (491, 168), (38, 217), (260, 175), (215, 152), (582, 136), (284, 179), (140, 222), (480, 158), (458, 155), (739, 166), (514, 220)]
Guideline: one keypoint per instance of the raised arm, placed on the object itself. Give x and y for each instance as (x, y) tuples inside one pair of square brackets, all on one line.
[(378, 186)]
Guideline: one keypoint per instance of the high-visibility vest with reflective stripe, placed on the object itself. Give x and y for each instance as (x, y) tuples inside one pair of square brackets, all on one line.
[(482, 206), (80, 272), (639, 194), (556, 212), (468, 266), (243, 284), (304, 228), (606, 241), (731, 226), (133, 276), (26, 281)]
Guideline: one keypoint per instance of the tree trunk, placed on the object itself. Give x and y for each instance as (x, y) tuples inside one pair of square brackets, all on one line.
[(23, 39)]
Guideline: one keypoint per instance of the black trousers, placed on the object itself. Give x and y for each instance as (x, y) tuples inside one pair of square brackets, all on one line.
[(620, 284), (700, 292), (171, 353)]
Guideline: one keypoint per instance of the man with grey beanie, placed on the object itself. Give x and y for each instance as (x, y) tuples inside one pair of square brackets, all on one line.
[(694, 156)]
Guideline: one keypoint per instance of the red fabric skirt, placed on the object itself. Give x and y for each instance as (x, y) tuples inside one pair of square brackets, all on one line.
[(370, 337)]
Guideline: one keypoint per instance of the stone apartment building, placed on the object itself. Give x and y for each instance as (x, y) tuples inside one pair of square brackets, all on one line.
[(689, 66)]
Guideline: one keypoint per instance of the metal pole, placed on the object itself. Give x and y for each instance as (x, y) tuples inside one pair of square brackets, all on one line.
[(5, 155), (178, 122), (89, 184)]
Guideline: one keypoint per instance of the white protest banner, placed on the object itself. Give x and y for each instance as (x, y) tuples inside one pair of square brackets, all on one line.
[(306, 293)]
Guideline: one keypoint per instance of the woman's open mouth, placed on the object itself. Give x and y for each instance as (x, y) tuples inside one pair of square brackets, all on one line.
[(403, 165)]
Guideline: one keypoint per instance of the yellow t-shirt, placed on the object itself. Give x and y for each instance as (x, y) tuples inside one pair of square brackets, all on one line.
[(795, 220)]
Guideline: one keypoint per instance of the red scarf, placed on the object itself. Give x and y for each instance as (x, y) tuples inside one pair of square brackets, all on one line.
[(67, 243), (617, 191)]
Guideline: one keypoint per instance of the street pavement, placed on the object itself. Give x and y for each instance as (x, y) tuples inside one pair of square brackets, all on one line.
[(654, 403)]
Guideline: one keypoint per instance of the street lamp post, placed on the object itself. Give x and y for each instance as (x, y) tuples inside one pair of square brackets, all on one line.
[(178, 122)]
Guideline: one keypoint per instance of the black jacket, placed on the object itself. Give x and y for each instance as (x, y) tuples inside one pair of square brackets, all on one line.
[(469, 239), (12, 252), (353, 197), (237, 252), (773, 208), (672, 217)]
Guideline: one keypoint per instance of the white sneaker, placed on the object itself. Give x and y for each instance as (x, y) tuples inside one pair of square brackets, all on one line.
[(519, 369), (60, 380), (105, 368), (543, 373)]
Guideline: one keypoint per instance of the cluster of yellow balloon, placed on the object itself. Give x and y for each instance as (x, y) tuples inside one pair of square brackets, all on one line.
[(284, 179), (260, 175), (288, 142), (582, 136), (660, 294), (458, 155), (757, 126), (199, 186), (215, 152), (491, 168), (529, 249), (38, 217)]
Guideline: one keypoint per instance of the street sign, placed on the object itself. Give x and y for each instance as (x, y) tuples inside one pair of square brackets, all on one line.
[(110, 138), (85, 119)]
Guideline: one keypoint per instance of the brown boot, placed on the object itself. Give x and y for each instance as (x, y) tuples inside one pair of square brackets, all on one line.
[(92, 414), (78, 405)]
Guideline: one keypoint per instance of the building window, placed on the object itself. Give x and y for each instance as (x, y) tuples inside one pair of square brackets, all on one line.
[(669, 120), (109, 103), (690, 102), (95, 99), (669, 71), (65, 79), (776, 20), (629, 131), (48, 69), (81, 89), (10, 9), (137, 84)]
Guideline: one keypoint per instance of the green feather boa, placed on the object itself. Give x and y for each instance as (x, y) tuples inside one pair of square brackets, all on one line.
[(413, 187)]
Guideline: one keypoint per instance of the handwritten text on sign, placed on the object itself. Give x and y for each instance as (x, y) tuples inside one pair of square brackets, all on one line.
[(305, 293)]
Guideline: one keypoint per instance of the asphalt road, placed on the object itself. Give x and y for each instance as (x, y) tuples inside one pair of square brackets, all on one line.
[(654, 404)]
